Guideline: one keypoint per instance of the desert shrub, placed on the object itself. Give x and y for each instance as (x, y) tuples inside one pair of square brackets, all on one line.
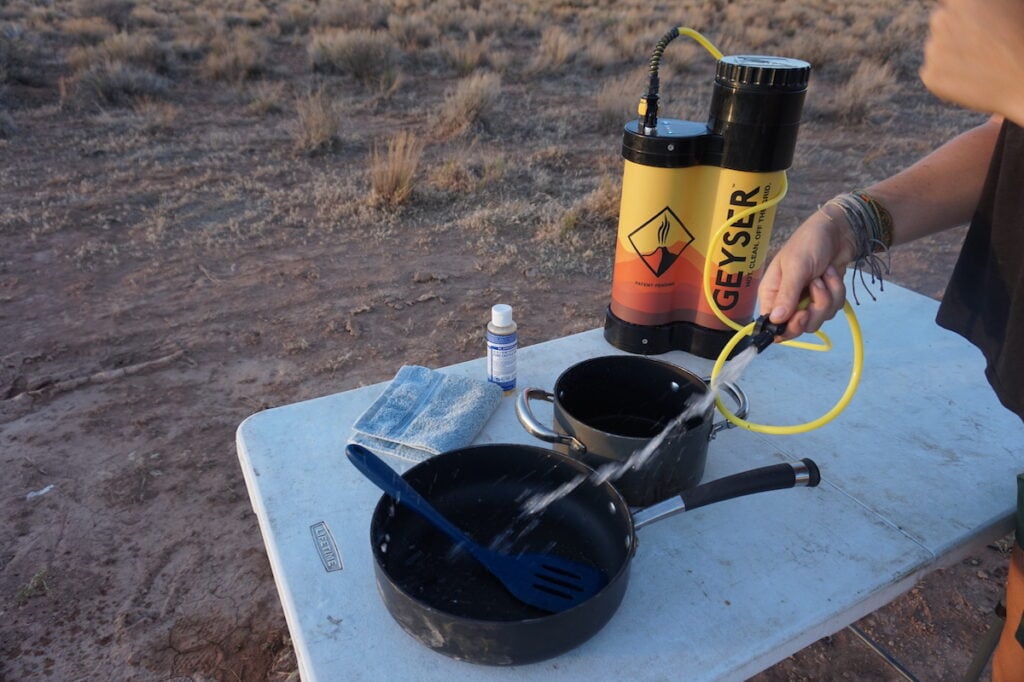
[(266, 98), (463, 173), (601, 206), (392, 171), (295, 17), (117, 12), (369, 56), (454, 176), (898, 44), (412, 31), (556, 48), (616, 101), (317, 124), (600, 55), (117, 83), (351, 14), (147, 16), (88, 29), (870, 86), (156, 116), (632, 35), (466, 55), (459, 19), (235, 56), (470, 103), (586, 231), (191, 45), (251, 16), (138, 49)]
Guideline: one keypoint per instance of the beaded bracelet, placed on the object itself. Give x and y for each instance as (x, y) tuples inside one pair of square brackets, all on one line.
[(871, 228)]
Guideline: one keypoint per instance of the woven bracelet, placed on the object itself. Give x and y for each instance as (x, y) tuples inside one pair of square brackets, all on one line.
[(882, 221), (871, 228)]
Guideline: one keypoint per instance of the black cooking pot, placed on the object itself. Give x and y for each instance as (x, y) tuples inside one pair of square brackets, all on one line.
[(449, 602), (607, 408)]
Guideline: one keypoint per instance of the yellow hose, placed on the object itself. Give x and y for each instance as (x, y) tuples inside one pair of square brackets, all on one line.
[(704, 42), (742, 331), (844, 400)]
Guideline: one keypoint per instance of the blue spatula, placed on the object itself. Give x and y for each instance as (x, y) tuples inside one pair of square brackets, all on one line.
[(545, 581)]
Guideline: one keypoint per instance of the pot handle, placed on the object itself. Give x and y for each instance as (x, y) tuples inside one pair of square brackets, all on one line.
[(538, 430), (772, 477), (742, 406)]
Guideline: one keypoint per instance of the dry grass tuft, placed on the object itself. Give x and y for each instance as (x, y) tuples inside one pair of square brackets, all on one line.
[(156, 116), (318, 123), (556, 48), (141, 51), (369, 56), (392, 173), (466, 55), (587, 229), (870, 86), (616, 101), (150, 17), (595, 212), (600, 55), (352, 14), (116, 83), (235, 57), (413, 31), (266, 98), (470, 103), (88, 30), (295, 17), (117, 12), (249, 16), (468, 172)]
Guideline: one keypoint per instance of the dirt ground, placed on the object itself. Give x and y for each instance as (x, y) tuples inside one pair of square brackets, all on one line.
[(162, 280)]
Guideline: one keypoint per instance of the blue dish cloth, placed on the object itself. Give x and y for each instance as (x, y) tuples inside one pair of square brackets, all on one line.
[(424, 412)]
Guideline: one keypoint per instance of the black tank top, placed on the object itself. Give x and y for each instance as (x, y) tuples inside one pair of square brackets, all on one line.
[(984, 301)]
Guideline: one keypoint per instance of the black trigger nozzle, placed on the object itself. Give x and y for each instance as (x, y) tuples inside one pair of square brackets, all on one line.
[(765, 332)]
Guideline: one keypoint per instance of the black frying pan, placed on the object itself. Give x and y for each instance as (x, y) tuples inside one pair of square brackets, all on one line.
[(449, 602)]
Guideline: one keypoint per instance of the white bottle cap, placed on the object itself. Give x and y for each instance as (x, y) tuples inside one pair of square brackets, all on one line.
[(501, 315)]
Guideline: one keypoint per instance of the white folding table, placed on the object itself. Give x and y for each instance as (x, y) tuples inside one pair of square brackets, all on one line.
[(916, 472)]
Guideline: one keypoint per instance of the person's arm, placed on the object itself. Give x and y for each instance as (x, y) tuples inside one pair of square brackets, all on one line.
[(974, 57), (938, 192), (941, 190)]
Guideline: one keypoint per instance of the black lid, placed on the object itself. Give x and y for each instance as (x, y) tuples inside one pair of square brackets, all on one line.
[(758, 71), (674, 144)]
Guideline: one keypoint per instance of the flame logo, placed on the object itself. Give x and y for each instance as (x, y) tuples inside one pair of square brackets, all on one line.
[(660, 241)]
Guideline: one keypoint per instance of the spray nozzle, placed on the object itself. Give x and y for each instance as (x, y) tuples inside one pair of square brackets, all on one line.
[(765, 332)]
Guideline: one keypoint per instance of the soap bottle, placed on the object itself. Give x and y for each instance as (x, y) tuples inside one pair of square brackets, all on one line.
[(502, 343)]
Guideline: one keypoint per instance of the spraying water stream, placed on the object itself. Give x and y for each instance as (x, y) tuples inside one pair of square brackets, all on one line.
[(696, 406)]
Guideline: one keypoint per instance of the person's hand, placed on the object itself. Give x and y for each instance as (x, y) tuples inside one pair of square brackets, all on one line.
[(810, 264), (974, 55)]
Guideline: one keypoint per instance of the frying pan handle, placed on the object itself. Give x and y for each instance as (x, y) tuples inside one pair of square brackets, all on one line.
[(763, 479), (392, 483), (535, 428), (742, 405)]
